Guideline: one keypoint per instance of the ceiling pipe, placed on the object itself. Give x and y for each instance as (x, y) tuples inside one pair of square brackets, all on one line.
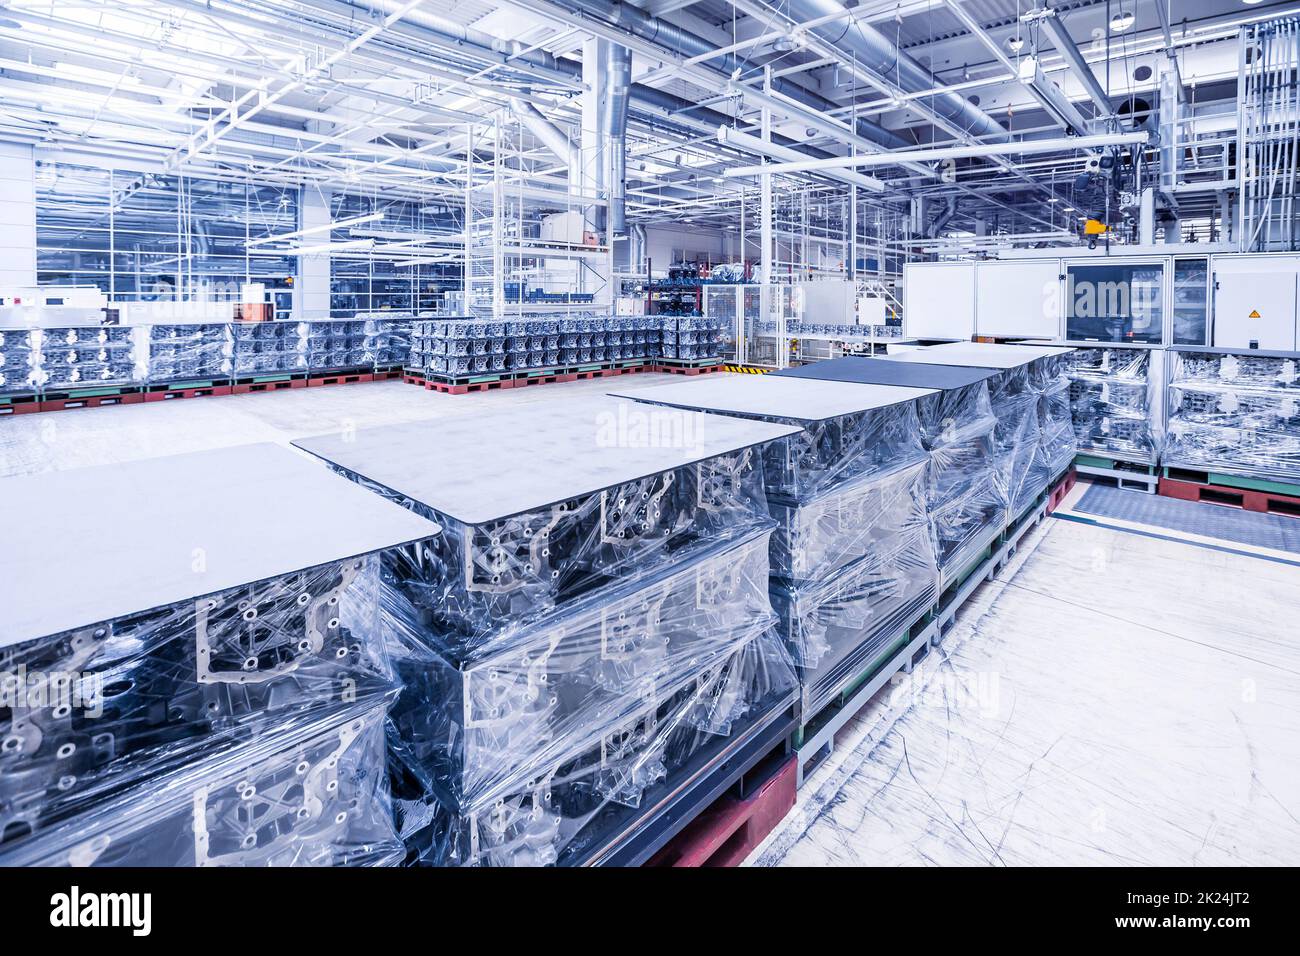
[(652, 29), (874, 52), (618, 66), (547, 133), (946, 152), (752, 144)]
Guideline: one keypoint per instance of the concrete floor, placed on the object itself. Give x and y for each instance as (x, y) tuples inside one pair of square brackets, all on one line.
[(1112, 698)]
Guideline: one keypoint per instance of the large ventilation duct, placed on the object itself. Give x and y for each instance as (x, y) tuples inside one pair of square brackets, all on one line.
[(642, 25), (547, 133), (619, 69), (879, 55), (942, 220)]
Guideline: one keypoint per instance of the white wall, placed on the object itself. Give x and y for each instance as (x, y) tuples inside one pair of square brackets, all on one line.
[(17, 216), (664, 246)]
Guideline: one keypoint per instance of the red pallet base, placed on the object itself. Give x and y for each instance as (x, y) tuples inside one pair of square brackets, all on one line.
[(1057, 494), (174, 393), (96, 401), (255, 387), (351, 378), (385, 376), (689, 370), (449, 388), (1246, 499), (728, 831), (19, 408)]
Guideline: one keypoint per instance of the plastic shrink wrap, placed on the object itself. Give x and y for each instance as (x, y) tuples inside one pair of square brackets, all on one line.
[(691, 338), (477, 577), (1057, 443), (84, 356), (541, 744), (388, 338), (105, 707), (1114, 403), (294, 792), (269, 347), (188, 352), (1239, 415), (966, 497), (336, 345), (19, 358), (850, 569), (455, 347), (1014, 401), (838, 450)]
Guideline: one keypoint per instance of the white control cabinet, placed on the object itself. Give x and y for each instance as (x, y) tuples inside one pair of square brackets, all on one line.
[(939, 300)]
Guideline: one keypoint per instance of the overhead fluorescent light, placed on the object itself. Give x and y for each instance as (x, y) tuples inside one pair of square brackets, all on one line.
[(1122, 21), (357, 244), (314, 230)]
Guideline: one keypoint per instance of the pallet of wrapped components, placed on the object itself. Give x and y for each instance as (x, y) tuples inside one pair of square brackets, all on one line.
[(268, 383), (897, 653), (206, 596), (1233, 491), (1034, 438), (91, 398), (587, 650), (852, 557), (729, 830), (1117, 405), (351, 376), (168, 391), (19, 403), (957, 427)]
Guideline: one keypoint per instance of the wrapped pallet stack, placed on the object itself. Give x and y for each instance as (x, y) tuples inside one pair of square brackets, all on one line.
[(853, 560), (215, 693), (589, 634)]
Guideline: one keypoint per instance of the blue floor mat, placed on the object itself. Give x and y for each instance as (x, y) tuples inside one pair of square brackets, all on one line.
[(1280, 532)]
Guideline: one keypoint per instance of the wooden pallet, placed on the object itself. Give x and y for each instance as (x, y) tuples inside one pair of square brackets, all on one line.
[(729, 830), (168, 393), (1230, 496)]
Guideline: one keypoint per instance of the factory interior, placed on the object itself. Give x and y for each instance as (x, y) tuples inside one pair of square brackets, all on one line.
[(658, 434)]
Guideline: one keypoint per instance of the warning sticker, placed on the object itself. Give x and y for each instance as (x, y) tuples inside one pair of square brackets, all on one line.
[(1254, 314)]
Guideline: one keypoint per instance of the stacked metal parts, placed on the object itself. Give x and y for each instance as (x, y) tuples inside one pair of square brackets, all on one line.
[(269, 347), (1034, 439), (1115, 401), (223, 709), (852, 558), (579, 643), (388, 338), (179, 353), (966, 503), (19, 361), (74, 357), (82, 356), (457, 347), (337, 345), (1234, 413), (691, 338)]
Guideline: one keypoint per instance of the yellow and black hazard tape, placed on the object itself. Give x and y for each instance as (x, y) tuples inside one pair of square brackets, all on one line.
[(746, 369)]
